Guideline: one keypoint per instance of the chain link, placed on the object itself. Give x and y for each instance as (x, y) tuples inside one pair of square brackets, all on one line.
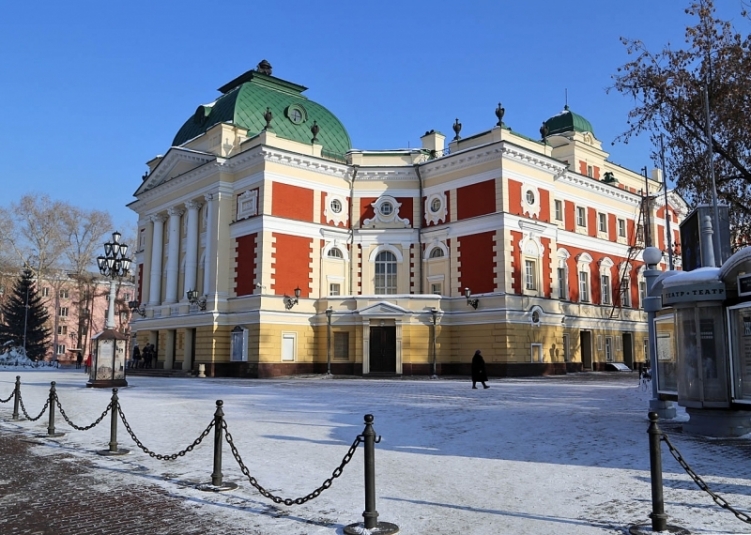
[(161, 457), (74, 426), (44, 409), (9, 397), (719, 500), (289, 501)]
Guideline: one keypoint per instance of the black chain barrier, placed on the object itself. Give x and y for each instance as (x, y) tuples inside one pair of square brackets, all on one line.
[(9, 397), (719, 500), (74, 426), (159, 456), (44, 409), (289, 501)]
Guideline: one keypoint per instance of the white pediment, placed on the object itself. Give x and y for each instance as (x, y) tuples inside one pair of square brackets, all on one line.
[(176, 162), (383, 309)]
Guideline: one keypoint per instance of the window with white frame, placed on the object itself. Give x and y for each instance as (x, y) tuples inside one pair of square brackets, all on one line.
[(436, 288), (626, 292), (584, 286), (536, 352), (45, 292), (609, 349), (605, 289), (436, 252), (562, 286), (289, 346), (530, 275), (603, 222), (60, 350), (335, 289), (239, 344), (62, 330), (64, 293), (621, 228), (590, 171), (63, 312), (335, 252), (558, 210), (642, 292), (581, 216), (385, 273)]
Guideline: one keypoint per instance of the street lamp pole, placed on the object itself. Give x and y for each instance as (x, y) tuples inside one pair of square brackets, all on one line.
[(329, 311), (114, 265), (652, 304)]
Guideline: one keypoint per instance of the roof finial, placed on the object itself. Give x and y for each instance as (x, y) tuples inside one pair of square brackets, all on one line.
[(315, 129), (565, 98), (457, 126), (267, 117), (264, 67), (499, 111)]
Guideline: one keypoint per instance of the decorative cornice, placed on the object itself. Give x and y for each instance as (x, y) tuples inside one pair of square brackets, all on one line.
[(590, 184), (291, 159)]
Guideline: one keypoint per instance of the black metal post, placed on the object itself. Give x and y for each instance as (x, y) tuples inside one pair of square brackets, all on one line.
[(113, 421), (216, 476), (17, 397), (370, 514), (51, 424), (658, 516)]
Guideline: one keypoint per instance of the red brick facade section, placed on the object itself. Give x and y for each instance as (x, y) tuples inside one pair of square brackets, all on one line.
[(516, 262), (545, 271), (476, 200), (406, 210), (596, 173), (292, 202), (583, 167), (245, 260), (545, 205), (612, 228), (478, 265), (291, 264), (569, 215), (140, 283), (592, 222), (366, 208), (514, 197)]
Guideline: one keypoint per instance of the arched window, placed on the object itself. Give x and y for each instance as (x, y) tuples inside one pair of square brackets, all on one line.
[(335, 253), (385, 273), (436, 252)]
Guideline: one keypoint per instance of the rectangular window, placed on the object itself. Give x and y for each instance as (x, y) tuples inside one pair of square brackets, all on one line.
[(562, 289), (609, 348), (642, 292), (536, 352), (622, 228), (289, 349), (60, 350), (558, 210), (62, 330), (603, 218), (590, 171), (639, 232), (584, 286), (335, 288), (63, 312), (63, 294), (626, 293), (45, 292), (436, 288), (341, 346), (530, 278), (605, 289), (581, 216)]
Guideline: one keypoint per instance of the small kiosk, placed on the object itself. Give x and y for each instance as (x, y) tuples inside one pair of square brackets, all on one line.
[(108, 366)]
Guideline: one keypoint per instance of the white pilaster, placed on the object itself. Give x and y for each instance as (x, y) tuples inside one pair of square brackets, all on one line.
[(155, 284), (173, 254), (191, 253), (208, 253)]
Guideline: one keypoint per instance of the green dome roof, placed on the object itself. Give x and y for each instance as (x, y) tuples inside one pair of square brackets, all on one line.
[(244, 101), (568, 121)]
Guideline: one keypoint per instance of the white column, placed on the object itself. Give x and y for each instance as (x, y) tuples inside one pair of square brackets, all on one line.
[(155, 284), (191, 253), (208, 252), (173, 254)]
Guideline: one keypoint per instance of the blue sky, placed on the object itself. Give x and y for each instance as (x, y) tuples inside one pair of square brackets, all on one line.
[(93, 90)]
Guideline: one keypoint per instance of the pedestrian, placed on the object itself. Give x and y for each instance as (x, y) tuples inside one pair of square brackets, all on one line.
[(479, 375), (153, 355), (87, 364), (147, 355), (136, 357), (79, 360)]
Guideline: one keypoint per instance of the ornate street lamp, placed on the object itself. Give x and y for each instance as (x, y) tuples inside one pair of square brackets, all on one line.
[(108, 368)]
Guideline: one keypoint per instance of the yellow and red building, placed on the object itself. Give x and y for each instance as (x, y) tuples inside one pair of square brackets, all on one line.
[(405, 261)]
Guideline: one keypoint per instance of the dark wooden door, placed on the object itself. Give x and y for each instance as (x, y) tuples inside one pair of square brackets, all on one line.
[(383, 350)]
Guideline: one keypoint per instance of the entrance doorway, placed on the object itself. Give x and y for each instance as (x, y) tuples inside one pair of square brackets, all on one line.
[(628, 350), (383, 349), (585, 342)]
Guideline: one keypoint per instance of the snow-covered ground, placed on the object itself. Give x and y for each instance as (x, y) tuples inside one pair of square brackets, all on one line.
[(555, 455)]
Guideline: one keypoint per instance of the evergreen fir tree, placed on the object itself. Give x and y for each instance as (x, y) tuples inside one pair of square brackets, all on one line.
[(17, 320)]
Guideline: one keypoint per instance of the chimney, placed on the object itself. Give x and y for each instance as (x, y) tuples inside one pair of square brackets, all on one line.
[(433, 141)]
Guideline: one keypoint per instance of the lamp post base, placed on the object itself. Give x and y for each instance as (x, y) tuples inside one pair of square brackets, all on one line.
[(382, 528)]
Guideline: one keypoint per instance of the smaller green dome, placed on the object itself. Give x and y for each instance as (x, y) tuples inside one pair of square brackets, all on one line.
[(568, 121)]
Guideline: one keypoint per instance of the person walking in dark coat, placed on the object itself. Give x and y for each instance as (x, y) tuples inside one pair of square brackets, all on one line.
[(479, 375), (79, 360)]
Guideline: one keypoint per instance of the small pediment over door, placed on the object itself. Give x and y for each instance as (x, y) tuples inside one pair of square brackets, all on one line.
[(383, 309)]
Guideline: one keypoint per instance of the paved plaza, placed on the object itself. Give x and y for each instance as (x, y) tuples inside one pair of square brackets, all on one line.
[(550, 455)]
